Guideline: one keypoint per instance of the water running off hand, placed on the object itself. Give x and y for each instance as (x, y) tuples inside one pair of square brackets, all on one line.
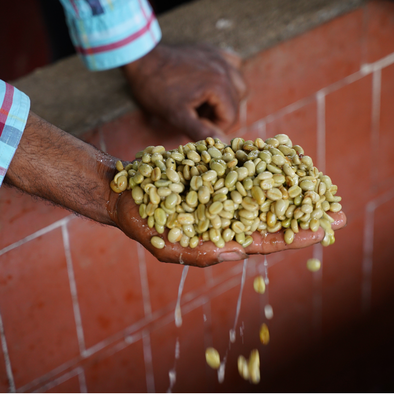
[(221, 370), (178, 313)]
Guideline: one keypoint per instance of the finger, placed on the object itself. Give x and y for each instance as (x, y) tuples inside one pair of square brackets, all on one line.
[(224, 103), (340, 220), (197, 128)]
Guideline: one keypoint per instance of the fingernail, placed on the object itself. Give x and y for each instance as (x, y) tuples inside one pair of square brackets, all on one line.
[(231, 256)]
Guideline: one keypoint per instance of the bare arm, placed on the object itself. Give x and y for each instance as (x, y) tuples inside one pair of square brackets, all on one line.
[(56, 166)]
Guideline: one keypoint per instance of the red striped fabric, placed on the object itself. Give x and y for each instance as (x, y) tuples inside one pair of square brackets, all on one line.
[(2, 171), (147, 19), (117, 44), (6, 106)]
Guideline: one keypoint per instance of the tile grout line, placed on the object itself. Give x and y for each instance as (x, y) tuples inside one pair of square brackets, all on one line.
[(367, 263), (7, 360), (150, 379), (144, 280), (37, 234), (73, 290), (262, 129), (375, 121), (82, 381), (57, 381), (321, 130)]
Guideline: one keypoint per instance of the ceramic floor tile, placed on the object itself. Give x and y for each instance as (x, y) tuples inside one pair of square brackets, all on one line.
[(385, 168), (291, 292), (379, 30), (348, 141), (299, 67), (342, 276), (164, 279), (71, 385), (190, 368), (36, 307), (383, 249), (121, 371), (301, 126), (21, 215), (107, 278)]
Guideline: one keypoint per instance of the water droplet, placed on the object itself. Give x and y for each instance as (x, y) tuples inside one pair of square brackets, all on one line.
[(268, 311), (172, 376), (178, 316), (177, 349), (221, 372), (232, 336)]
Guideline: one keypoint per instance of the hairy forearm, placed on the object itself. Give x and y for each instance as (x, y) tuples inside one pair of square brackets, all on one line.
[(54, 165)]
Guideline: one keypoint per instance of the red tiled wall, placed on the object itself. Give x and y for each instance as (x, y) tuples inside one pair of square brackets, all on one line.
[(83, 308)]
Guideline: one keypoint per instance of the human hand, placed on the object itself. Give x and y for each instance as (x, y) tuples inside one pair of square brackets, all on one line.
[(126, 216), (196, 88)]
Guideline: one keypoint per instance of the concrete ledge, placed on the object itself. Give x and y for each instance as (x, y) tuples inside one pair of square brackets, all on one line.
[(77, 100)]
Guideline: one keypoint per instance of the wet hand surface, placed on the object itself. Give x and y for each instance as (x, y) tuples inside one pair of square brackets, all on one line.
[(126, 215)]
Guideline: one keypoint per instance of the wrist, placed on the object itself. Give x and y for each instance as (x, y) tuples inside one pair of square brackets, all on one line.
[(145, 65)]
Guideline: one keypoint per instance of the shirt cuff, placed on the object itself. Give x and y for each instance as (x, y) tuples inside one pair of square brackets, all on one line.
[(14, 110), (111, 34)]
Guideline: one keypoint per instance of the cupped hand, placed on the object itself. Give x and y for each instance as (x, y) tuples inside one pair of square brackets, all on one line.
[(196, 88), (126, 215)]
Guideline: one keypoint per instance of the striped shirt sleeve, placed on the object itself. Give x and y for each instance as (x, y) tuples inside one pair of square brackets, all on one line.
[(14, 110), (111, 33)]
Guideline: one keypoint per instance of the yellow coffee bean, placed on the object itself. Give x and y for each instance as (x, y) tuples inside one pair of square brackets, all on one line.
[(313, 265), (264, 334), (259, 284), (243, 367), (194, 241), (289, 236), (174, 235), (254, 366)]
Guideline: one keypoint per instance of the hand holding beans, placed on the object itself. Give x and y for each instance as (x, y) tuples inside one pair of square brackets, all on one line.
[(246, 198)]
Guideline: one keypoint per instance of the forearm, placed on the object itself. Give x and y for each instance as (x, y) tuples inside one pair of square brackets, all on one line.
[(54, 165)]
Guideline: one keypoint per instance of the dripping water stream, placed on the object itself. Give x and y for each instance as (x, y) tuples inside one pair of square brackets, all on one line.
[(178, 323), (232, 333)]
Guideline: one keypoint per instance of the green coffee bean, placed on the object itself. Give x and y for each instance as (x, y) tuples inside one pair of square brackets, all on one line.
[(289, 236), (157, 242)]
